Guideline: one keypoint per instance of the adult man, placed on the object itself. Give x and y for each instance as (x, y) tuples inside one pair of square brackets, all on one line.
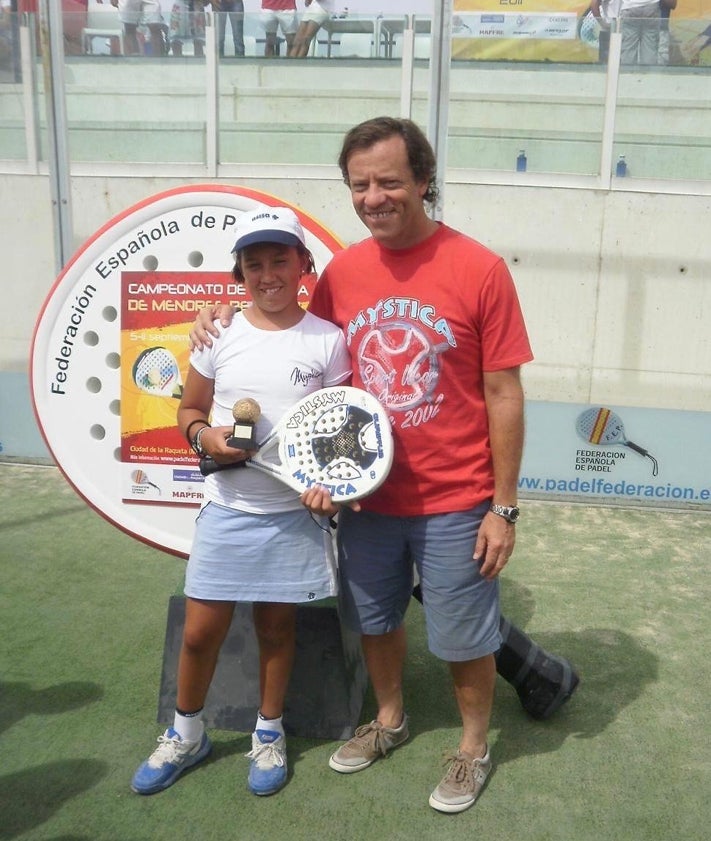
[(435, 332), (234, 10)]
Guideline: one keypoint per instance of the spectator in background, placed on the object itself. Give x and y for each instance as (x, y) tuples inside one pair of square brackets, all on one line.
[(234, 10), (640, 20), (135, 13), (316, 14), (187, 22), (604, 12), (74, 14), (691, 50), (7, 41), (278, 15)]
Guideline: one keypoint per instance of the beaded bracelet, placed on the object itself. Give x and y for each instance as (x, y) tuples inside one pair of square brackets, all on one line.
[(191, 425)]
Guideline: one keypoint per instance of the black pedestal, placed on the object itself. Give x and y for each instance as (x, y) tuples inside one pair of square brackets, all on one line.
[(327, 687)]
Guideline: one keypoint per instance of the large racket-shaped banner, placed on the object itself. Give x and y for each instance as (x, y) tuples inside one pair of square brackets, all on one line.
[(111, 349)]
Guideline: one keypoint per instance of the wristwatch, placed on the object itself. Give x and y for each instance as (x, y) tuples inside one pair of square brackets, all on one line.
[(510, 513)]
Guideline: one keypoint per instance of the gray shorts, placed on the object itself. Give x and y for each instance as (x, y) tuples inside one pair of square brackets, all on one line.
[(376, 554)]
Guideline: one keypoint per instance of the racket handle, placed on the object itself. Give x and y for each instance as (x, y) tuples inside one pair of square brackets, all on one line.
[(208, 465), (636, 448), (646, 454)]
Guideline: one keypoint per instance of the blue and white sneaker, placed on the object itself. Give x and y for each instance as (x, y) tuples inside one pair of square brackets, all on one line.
[(267, 770), (168, 761)]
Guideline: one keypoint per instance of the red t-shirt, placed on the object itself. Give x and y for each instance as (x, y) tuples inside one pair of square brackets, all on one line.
[(279, 5), (422, 325)]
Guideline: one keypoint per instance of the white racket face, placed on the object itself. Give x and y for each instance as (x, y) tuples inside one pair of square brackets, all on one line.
[(600, 426), (338, 437), (590, 31), (87, 397)]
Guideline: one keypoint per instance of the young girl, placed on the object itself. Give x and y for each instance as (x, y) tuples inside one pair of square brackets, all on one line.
[(254, 541)]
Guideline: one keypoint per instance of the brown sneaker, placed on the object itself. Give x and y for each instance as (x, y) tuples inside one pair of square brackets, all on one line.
[(462, 783), (368, 743)]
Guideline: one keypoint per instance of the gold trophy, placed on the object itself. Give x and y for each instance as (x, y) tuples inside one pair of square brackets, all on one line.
[(246, 413)]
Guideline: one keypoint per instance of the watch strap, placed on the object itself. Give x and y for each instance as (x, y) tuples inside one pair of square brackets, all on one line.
[(510, 513)]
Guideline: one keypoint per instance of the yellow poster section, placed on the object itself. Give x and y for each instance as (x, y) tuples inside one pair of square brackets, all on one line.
[(690, 28), (142, 411), (690, 33)]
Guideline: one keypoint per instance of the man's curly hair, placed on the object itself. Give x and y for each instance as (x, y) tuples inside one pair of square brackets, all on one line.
[(420, 154)]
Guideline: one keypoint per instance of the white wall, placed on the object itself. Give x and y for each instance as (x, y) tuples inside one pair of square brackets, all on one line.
[(616, 287)]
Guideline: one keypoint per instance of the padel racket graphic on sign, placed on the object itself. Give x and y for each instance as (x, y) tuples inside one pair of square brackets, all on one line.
[(601, 426), (140, 478), (156, 371), (112, 339), (338, 437)]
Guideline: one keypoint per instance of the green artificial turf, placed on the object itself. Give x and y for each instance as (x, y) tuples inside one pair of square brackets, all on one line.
[(623, 593)]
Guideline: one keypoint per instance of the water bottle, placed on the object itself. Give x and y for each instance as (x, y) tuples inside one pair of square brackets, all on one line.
[(521, 161), (621, 168)]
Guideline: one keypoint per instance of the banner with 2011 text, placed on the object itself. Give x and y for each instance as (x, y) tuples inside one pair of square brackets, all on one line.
[(557, 30)]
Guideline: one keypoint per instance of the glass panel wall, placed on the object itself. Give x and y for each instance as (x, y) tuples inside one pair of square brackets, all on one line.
[(295, 110), (145, 105), (197, 87), (526, 117), (13, 144), (663, 116)]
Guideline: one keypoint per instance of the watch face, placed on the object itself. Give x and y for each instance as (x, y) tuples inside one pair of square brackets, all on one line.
[(510, 513)]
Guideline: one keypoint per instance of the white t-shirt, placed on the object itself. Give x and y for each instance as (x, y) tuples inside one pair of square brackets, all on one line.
[(627, 5), (610, 10), (276, 368)]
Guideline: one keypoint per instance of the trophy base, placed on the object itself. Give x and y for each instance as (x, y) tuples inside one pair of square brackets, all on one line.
[(242, 443)]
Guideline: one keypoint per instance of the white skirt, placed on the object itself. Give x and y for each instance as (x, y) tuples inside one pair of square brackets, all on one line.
[(242, 557)]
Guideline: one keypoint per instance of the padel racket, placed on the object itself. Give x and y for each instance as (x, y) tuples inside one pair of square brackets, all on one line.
[(589, 30), (156, 372), (338, 437), (138, 477), (602, 426)]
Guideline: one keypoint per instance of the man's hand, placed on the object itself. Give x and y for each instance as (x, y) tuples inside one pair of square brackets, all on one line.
[(203, 327), (318, 501), (494, 545)]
